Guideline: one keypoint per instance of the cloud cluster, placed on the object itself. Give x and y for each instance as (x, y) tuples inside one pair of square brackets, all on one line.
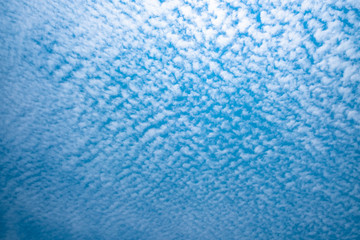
[(180, 119)]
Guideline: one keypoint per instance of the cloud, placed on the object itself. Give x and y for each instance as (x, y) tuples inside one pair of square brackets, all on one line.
[(179, 119)]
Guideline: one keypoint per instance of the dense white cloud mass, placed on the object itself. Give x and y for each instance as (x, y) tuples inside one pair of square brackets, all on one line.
[(179, 119)]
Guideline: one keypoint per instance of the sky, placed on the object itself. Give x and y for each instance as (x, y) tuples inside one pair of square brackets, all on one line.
[(209, 119)]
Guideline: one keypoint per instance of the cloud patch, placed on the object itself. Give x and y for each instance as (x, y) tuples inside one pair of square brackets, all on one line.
[(179, 120)]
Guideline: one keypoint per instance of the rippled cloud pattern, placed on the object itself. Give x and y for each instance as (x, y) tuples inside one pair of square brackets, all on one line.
[(214, 119)]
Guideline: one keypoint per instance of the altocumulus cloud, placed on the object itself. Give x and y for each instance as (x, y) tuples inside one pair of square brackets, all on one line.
[(179, 119)]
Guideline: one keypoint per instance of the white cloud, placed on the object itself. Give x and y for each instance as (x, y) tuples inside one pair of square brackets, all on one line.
[(243, 24), (158, 119)]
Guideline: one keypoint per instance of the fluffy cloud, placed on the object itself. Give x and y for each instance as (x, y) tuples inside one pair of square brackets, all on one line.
[(179, 120)]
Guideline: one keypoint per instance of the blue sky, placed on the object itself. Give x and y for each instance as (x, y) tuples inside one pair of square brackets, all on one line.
[(179, 119)]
